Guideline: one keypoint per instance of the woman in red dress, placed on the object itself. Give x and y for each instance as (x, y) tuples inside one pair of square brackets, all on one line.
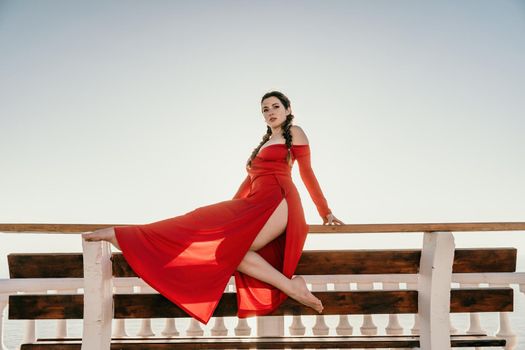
[(258, 236)]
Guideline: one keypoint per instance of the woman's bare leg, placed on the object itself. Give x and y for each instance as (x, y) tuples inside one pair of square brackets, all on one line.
[(105, 234), (254, 265)]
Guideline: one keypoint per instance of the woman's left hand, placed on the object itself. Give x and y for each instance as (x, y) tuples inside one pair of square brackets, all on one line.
[(330, 219)]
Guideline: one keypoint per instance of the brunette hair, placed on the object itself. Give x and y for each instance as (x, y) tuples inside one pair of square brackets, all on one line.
[(285, 126)]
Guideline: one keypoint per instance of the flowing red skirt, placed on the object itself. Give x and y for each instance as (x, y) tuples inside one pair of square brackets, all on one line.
[(190, 258)]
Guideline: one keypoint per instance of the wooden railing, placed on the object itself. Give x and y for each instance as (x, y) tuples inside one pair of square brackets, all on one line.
[(274, 325)]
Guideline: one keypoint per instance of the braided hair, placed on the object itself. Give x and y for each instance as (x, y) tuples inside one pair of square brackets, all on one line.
[(285, 126)]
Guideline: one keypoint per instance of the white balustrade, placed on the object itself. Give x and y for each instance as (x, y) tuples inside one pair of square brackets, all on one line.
[(266, 325)]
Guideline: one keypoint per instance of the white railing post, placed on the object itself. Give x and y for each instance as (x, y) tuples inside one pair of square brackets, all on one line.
[(343, 326), (393, 327), (98, 295), (434, 281), (505, 327), (3, 303), (119, 324), (145, 323), (30, 330), (368, 326), (415, 327), (170, 329), (195, 329), (474, 320), (270, 326), (242, 328), (219, 328), (320, 327)]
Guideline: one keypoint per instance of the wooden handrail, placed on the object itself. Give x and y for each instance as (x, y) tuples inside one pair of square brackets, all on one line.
[(330, 229)]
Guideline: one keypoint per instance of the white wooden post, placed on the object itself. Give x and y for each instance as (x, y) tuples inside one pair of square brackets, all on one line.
[(434, 280), (98, 295), (3, 304)]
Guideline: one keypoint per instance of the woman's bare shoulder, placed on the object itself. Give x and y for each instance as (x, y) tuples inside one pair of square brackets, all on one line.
[(298, 135)]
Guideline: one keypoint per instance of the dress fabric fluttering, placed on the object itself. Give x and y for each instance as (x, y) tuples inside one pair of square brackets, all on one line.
[(190, 258)]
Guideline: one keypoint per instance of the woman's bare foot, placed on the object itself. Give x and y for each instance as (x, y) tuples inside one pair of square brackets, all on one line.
[(105, 234), (301, 293)]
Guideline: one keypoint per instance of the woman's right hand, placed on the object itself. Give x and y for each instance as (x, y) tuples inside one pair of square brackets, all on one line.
[(330, 219)]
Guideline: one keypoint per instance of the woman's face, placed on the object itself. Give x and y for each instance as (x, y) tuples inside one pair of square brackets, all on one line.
[(274, 112)]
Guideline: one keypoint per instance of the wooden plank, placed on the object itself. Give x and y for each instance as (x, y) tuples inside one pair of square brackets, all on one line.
[(472, 260), (46, 306), (348, 228), (303, 342), (482, 300), (333, 262), (335, 303), (312, 262), (45, 265), (51, 306)]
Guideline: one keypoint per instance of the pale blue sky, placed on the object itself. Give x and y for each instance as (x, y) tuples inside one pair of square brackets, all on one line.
[(133, 111)]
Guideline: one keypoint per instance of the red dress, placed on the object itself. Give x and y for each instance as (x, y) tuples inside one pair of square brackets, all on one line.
[(190, 258)]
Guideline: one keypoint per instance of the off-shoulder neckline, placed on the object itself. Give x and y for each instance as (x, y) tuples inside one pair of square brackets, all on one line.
[(284, 144)]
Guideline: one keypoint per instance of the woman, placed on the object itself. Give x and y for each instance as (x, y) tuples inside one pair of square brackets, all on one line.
[(257, 236)]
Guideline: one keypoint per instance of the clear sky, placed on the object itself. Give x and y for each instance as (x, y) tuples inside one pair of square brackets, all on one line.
[(128, 112)]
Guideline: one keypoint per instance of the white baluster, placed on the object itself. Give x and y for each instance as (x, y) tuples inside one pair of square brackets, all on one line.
[(242, 327), (145, 324), (61, 330), (505, 327), (170, 330), (119, 329), (3, 303), (320, 327), (297, 327), (367, 327), (453, 330), (393, 326), (195, 328), (30, 330), (343, 326), (415, 326), (218, 327), (474, 319)]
